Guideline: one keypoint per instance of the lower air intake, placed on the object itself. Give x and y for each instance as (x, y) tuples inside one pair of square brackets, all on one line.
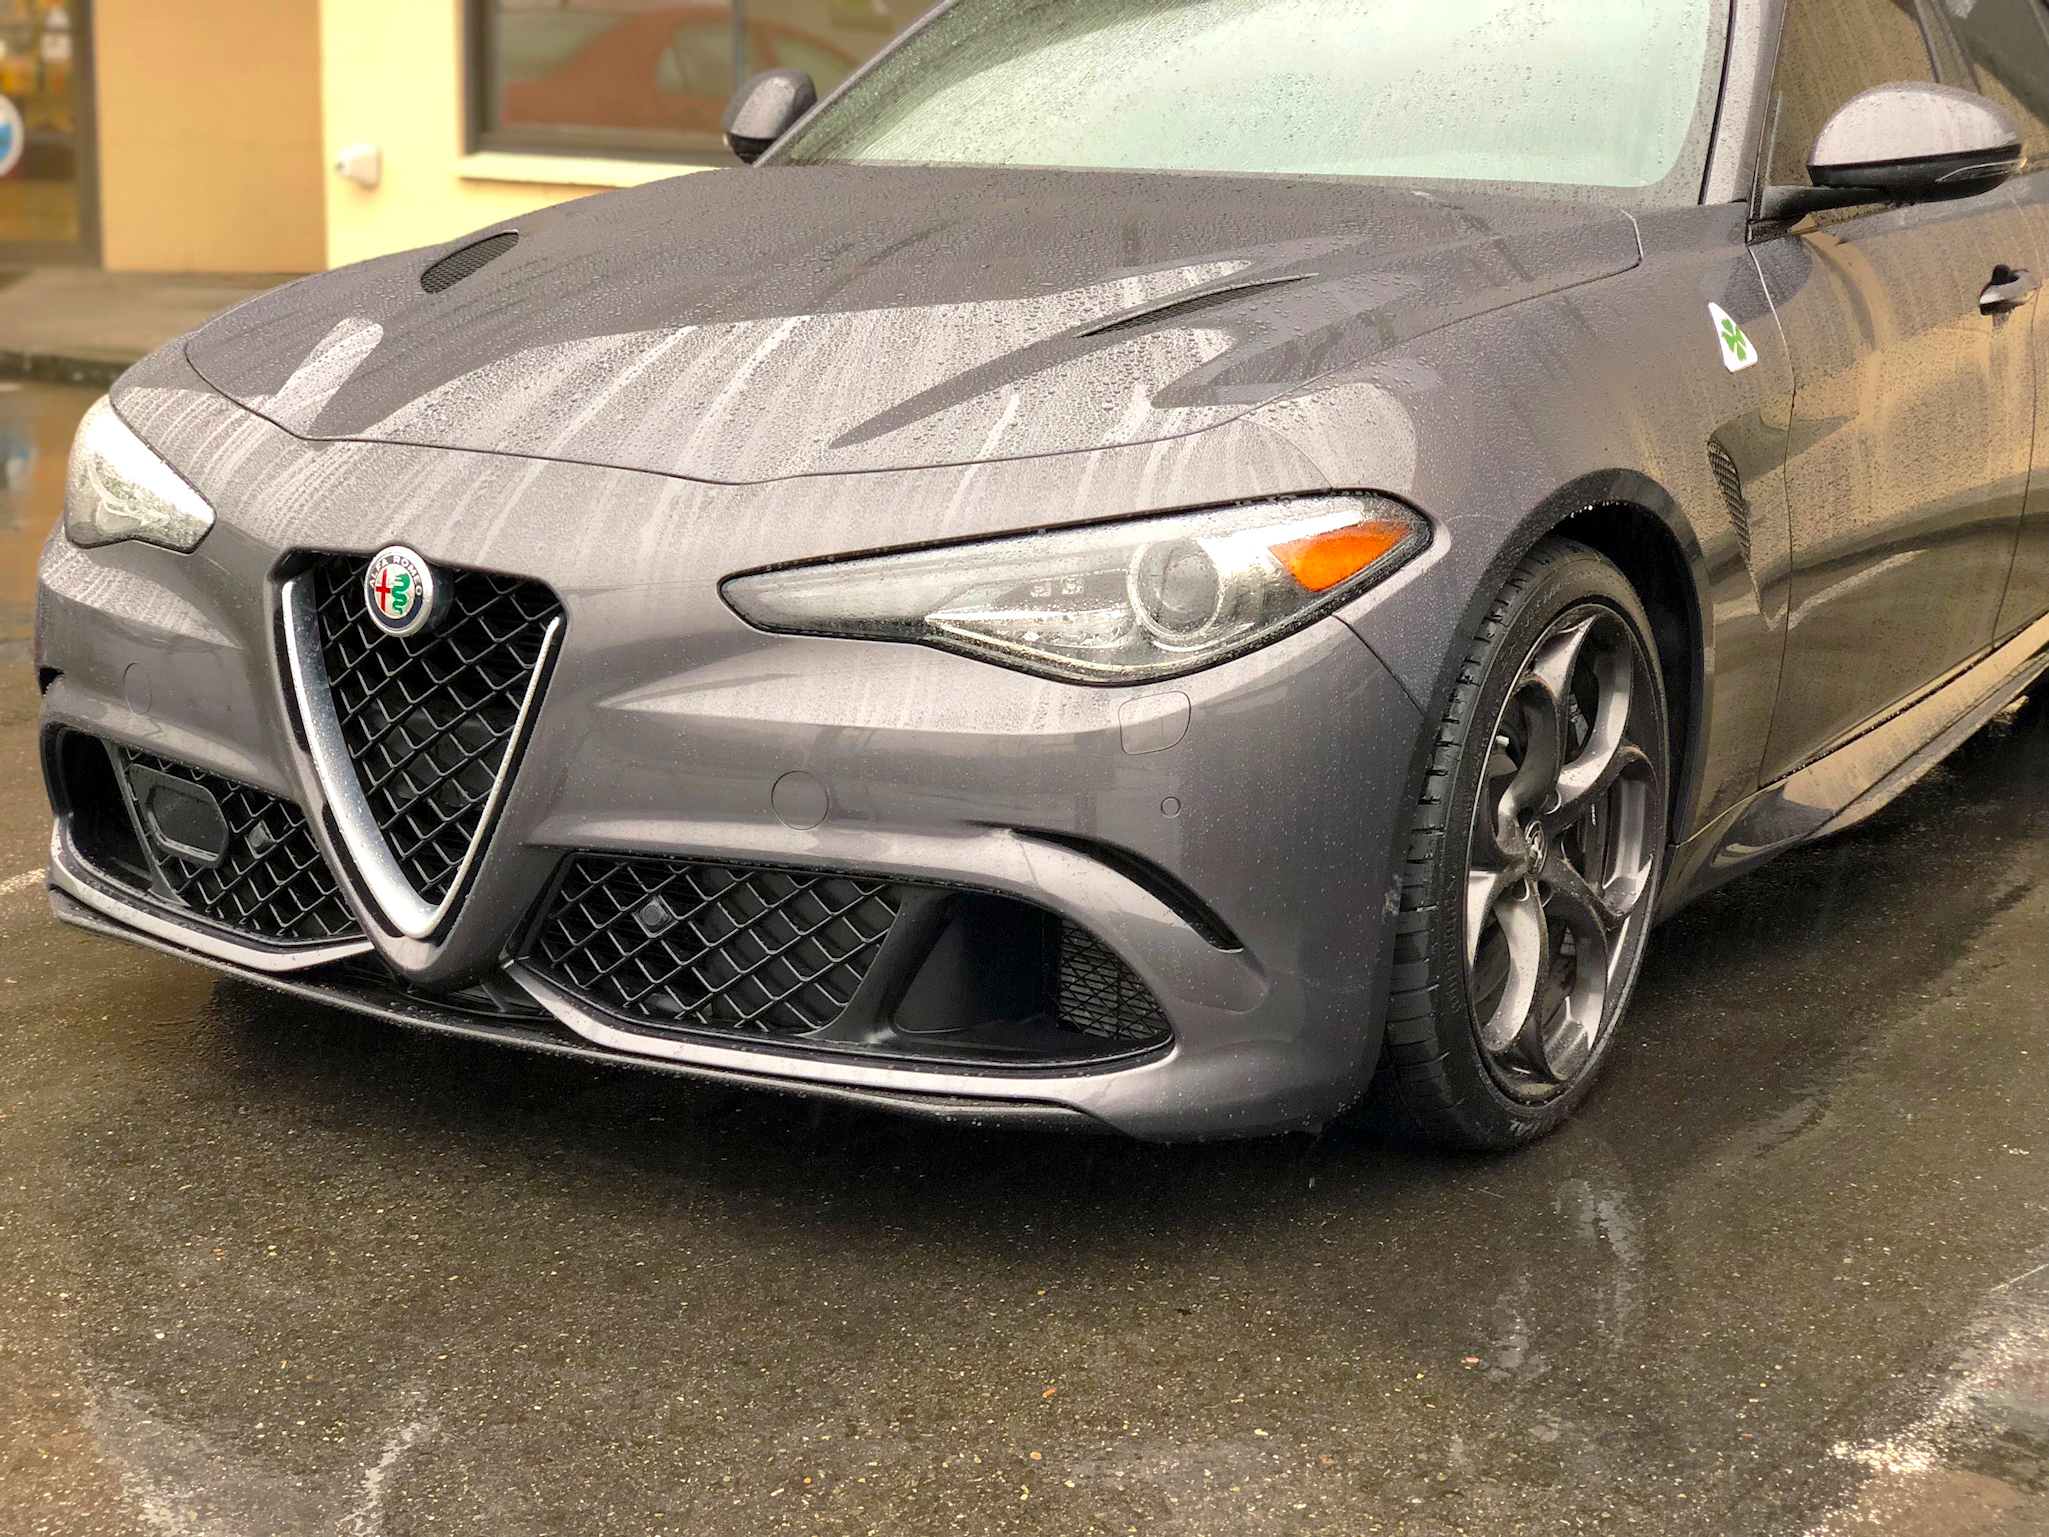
[(263, 877), (862, 965), (1096, 994), (669, 942)]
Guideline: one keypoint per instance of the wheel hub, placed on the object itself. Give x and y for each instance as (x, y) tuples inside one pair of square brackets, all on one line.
[(1539, 847)]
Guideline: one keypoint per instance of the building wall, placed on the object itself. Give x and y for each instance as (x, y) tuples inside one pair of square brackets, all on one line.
[(392, 75), (209, 135)]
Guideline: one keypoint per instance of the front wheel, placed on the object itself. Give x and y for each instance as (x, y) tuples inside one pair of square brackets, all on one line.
[(1533, 861)]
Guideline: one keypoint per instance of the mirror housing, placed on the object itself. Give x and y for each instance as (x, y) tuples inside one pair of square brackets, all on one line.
[(765, 108), (1909, 142)]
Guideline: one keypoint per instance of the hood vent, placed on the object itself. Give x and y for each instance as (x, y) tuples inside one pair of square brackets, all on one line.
[(1187, 304), (457, 265)]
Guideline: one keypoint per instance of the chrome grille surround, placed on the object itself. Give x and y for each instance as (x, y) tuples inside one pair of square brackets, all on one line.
[(415, 740)]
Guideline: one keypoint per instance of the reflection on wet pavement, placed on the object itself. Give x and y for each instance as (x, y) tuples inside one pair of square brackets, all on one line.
[(270, 1268)]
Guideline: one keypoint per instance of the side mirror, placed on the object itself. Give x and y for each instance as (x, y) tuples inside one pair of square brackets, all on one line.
[(1905, 143), (766, 108)]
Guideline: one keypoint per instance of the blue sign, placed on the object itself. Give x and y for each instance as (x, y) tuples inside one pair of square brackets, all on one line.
[(13, 136)]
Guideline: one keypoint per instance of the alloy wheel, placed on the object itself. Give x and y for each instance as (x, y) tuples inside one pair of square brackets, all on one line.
[(1568, 829)]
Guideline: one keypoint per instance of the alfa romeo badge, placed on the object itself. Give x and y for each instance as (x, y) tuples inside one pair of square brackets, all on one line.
[(401, 591)]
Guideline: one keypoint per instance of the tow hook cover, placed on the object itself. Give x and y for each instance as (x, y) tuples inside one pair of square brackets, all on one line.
[(180, 818)]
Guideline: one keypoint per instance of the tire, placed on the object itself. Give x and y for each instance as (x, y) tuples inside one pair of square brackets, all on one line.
[(1529, 878)]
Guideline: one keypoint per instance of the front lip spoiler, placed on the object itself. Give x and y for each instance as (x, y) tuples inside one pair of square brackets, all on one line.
[(1004, 1094), (767, 1063), (953, 1108)]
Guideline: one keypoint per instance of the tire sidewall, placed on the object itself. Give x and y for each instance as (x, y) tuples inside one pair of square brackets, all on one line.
[(1573, 577)]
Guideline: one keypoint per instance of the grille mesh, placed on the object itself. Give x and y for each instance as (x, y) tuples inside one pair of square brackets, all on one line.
[(1098, 995), (457, 265), (765, 952), (272, 883), (428, 720)]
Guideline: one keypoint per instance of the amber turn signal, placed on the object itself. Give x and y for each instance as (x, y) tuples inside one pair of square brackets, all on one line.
[(1323, 560)]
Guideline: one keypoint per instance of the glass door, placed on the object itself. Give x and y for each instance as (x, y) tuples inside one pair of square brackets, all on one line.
[(47, 201)]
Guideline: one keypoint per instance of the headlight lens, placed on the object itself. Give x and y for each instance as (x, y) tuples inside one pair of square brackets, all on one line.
[(119, 489), (1124, 602)]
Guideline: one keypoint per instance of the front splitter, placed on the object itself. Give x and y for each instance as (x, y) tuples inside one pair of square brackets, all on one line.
[(547, 1037)]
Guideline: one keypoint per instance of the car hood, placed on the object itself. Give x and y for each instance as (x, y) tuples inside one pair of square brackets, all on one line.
[(743, 327)]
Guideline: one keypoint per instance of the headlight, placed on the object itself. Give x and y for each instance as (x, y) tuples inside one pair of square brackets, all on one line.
[(1109, 603), (119, 489)]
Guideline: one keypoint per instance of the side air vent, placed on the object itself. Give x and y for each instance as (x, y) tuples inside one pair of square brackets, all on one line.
[(1730, 479), (457, 265)]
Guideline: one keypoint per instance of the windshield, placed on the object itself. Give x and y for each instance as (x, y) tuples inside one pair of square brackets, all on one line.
[(1580, 93)]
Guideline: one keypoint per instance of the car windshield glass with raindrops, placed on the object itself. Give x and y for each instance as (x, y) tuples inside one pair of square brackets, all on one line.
[(1606, 94)]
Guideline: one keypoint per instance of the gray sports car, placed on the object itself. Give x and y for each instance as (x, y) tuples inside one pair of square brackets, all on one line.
[(1176, 565)]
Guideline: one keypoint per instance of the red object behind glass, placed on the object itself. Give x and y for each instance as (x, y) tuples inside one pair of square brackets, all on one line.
[(665, 70)]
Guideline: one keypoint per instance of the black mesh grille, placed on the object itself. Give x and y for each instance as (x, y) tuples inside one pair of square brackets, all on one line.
[(1097, 994), (428, 720), (457, 265), (766, 952), (271, 882)]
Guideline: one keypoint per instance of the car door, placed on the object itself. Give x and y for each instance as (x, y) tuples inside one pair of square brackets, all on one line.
[(2007, 42), (1913, 407)]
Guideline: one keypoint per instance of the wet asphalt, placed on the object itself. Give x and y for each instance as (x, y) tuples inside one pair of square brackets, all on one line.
[(267, 1268)]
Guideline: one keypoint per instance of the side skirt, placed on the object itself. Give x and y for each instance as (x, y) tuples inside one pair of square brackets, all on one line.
[(1858, 779)]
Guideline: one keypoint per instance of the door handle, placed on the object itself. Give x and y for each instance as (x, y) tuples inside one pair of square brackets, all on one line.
[(2010, 288)]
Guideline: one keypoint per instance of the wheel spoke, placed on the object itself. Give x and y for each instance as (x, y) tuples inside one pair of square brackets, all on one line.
[(1572, 900), (1607, 752), (1542, 711), (1484, 888), (1497, 841), (1633, 832), (1521, 917), (1565, 1042)]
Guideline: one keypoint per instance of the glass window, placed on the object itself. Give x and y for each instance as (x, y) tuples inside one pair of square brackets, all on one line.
[(2008, 41), (1585, 93), (644, 77), (1830, 51), (40, 207)]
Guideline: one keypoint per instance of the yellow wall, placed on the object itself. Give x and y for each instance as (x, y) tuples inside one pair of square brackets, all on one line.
[(393, 76), (209, 135)]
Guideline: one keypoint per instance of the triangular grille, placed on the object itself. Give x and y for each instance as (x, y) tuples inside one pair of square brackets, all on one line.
[(428, 722)]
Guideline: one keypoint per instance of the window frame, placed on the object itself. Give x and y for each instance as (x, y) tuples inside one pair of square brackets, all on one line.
[(1965, 66), (479, 53)]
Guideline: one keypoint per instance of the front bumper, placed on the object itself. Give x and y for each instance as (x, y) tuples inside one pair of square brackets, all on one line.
[(1230, 836)]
